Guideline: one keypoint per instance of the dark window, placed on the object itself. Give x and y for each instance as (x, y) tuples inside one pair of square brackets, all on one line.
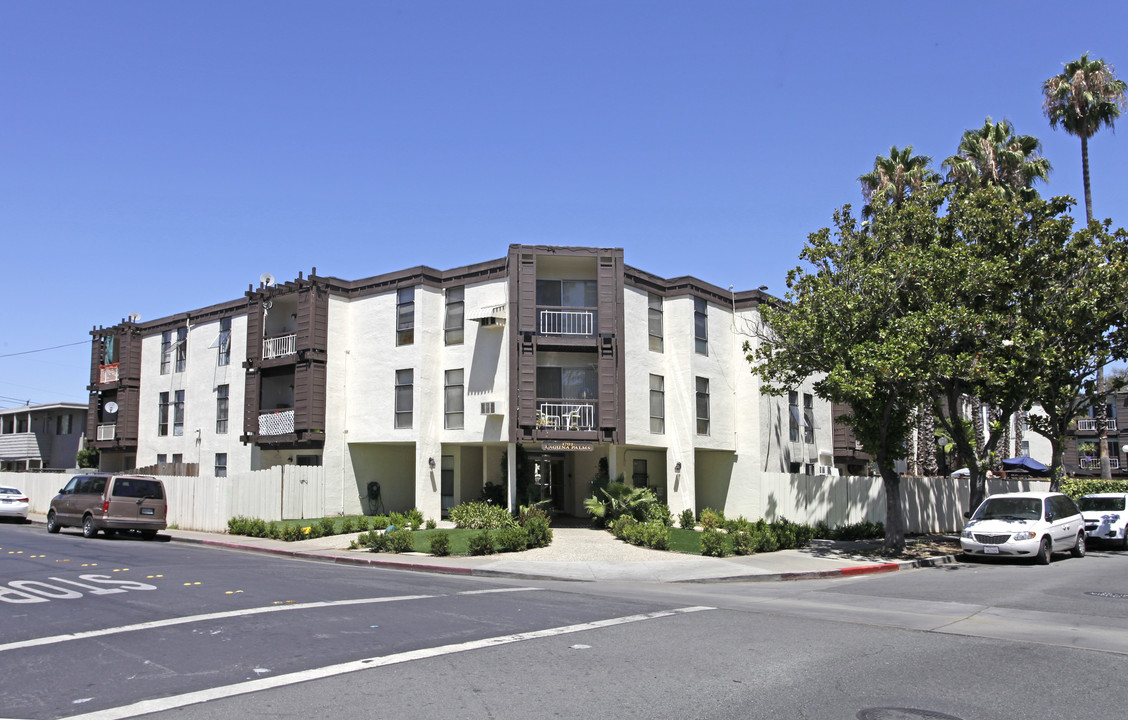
[(701, 326), (404, 400), (136, 488), (166, 351), (221, 408), (808, 419), (178, 413), (453, 400), (405, 316), (793, 419), (454, 327), (654, 321), (181, 349), (702, 406), (639, 476), (657, 404), (221, 464), (162, 414), (224, 357)]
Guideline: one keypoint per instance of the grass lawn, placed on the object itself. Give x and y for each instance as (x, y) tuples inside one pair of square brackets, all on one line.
[(685, 541)]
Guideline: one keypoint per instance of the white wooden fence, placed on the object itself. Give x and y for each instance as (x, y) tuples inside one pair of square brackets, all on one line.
[(297, 492)]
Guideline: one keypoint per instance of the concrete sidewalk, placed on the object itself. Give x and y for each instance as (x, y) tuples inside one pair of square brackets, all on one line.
[(583, 554)]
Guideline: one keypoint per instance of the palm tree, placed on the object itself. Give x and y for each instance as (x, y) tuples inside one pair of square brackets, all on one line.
[(1085, 97), (993, 156), (895, 177)]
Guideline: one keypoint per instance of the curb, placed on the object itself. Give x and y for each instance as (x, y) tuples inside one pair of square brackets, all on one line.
[(831, 574)]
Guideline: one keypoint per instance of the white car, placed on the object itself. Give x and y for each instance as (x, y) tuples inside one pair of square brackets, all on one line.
[(13, 503), (1024, 525), (1106, 517)]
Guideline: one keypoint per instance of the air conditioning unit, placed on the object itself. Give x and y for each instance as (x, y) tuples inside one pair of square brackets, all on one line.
[(491, 321), (491, 408)]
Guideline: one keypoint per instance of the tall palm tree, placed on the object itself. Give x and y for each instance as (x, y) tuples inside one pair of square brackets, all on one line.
[(895, 177), (993, 156), (1085, 97)]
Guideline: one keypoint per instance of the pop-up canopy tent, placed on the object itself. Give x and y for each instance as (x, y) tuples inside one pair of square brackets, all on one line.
[(1026, 464)]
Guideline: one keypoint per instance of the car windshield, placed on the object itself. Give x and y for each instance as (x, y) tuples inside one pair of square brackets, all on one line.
[(1010, 509), (1101, 504)]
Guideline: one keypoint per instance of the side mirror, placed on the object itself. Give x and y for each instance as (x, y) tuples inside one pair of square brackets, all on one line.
[(1049, 517), (967, 514)]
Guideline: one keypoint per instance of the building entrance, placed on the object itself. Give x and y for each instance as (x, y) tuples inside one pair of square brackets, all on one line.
[(553, 479)]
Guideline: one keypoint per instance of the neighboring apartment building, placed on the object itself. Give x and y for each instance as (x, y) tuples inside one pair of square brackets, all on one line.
[(36, 437), (426, 381), (1081, 454)]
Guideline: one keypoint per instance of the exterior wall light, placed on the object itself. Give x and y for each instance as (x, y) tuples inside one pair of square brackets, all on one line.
[(431, 463), (677, 467)]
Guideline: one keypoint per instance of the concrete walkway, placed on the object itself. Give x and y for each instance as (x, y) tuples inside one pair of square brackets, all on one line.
[(583, 554)]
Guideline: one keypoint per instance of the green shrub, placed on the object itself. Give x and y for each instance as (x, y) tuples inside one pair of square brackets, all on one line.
[(440, 544), (864, 530), (481, 516), (686, 519), (656, 535), (616, 500), (291, 533), (328, 527), (400, 540), (1076, 487), (312, 532), (712, 519), (238, 525), (431, 524), (622, 525), (660, 512), (415, 518), (714, 543), (742, 543), (528, 512), (373, 540), (512, 539), (538, 531), (482, 543), (399, 520), (348, 526), (764, 540), (378, 522)]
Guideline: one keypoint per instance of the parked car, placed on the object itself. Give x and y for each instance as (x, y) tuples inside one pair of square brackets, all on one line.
[(1106, 517), (13, 503), (1029, 524), (110, 503)]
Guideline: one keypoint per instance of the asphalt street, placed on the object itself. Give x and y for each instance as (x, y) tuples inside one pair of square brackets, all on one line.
[(128, 628)]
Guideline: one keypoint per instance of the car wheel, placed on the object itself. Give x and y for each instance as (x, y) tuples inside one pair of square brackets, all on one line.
[(1078, 550), (1044, 552), (88, 529), (148, 534), (53, 525), (1124, 542)]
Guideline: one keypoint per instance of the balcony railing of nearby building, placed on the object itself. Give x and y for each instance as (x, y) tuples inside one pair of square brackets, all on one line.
[(566, 415), (280, 346), (107, 431), (276, 422), (1092, 463), (566, 321), (107, 373), (1091, 425)]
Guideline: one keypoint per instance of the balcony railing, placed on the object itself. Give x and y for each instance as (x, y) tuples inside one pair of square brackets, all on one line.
[(107, 373), (107, 431), (562, 321), (1092, 425), (276, 422), (281, 346), (570, 416)]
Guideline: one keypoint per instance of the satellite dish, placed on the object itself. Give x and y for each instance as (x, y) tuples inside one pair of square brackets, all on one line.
[(134, 318), (111, 407), (266, 279)]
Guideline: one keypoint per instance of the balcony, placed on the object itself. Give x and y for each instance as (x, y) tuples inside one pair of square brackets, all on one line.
[(107, 373), (566, 416), (279, 346), (1092, 463), (276, 422), (576, 322), (1091, 425), (107, 431)]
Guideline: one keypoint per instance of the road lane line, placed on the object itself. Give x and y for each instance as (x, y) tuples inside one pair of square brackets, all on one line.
[(251, 686)]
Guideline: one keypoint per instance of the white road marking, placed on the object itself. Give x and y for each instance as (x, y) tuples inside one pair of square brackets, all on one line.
[(251, 686), (54, 639)]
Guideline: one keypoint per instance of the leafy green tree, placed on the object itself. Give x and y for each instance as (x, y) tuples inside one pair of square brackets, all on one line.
[(896, 177), (1082, 99), (994, 157)]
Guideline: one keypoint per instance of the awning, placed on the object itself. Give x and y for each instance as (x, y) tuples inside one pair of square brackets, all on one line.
[(491, 314)]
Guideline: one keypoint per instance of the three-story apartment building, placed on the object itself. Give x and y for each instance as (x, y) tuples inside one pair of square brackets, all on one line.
[(424, 385)]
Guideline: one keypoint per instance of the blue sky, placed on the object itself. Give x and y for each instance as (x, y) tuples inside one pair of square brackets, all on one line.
[(157, 157)]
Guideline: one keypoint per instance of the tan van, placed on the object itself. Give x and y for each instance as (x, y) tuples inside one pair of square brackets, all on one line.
[(110, 503)]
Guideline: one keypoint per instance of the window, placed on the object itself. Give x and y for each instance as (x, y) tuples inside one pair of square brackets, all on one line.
[(405, 316), (9, 425), (567, 293), (181, 349), (639, 476), (453, 400), (63, 424), (657, 404), (162, 415), (21, 424), (166, 351), (222, 398), (224, 356), (808, 419), (162, 459), (309, 461), (110, 350), (701, 326), (702, 406), (567, 383), (221, 464), (654, 321), (793, 421), (455, 315), (404, 379), (178, 413), (177, 458)]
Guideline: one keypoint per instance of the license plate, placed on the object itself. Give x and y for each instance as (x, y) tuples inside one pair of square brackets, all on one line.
[(146, 511), (988, 549)]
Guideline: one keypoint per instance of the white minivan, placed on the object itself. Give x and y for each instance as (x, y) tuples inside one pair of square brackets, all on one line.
[(1028, 524)]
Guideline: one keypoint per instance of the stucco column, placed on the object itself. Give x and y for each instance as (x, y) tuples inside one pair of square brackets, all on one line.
[(680, 488), (511, 474), (427, 478)]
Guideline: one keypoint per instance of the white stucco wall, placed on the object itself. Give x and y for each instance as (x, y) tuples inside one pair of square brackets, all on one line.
[(201, 376)]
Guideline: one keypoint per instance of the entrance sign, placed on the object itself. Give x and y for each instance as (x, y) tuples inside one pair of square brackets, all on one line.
[(567, 446)]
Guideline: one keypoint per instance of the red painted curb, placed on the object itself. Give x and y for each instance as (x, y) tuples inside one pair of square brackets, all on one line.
[(870, 569)]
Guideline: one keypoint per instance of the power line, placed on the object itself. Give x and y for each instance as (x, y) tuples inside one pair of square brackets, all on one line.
[(29, 352)]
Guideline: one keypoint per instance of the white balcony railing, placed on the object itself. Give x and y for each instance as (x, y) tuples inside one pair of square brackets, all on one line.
[(107, 431), (281, 346), (107, 373), (567, 322), (276, 422), (1095, 463), (1091, 425), (566, 416)]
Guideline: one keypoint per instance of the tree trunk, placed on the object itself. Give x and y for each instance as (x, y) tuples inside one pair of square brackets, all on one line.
[(1102, 429), (1057, 472), (1085, 179), (894, 514), (929, 432)]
